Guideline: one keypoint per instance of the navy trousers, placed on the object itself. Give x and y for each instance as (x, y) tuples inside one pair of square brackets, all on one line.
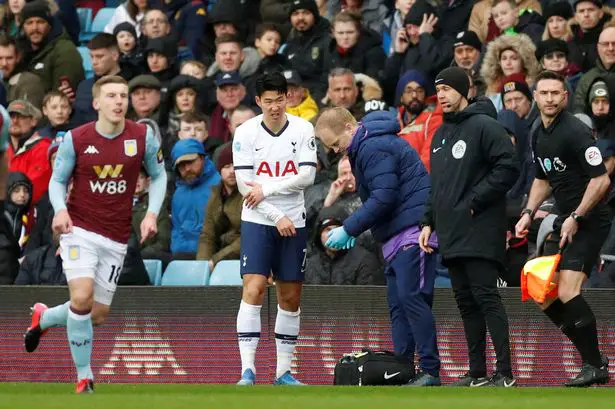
[(410, 279)]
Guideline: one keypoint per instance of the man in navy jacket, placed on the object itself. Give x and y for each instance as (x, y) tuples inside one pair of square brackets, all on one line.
[(393, 185)]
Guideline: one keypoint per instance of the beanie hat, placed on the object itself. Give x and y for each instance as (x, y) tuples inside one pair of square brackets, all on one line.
[(418, 9), (515, 82), (224, 158), (126, 26), (410, 76), (304, 4), (561, 8), (455, 78), (598, 3), (551, 45), (598, 89), (468, 38), (36, 9)]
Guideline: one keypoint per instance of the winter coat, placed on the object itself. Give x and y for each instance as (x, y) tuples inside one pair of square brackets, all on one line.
[(220, 237), (41, 267), (473, 165), (367, 56), (391, 179), (356, 266), (121, 16), (481, 15), (307, 109), (57, 58), (420, 131), (19, 217), (27, 86), (9, 252), (306, 53), (584, 84), (188, 208), (189, 23), (587, 42), (454, 18), (41, 233), (160, 242), (32, 160), (373, 12)]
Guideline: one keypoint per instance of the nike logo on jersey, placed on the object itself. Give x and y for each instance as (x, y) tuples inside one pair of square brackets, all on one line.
[(91, 150), (436, 149), (387, 376)]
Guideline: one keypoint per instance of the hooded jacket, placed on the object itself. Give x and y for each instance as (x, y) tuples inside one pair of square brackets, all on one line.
[(20, 217), (189, 204), (580, 94), (32, 160), (56, 58), (356, 266), (391, 179), (473, 165), (41, 267), (366, 57)]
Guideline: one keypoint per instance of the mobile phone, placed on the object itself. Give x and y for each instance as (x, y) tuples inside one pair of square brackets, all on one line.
[(65, 82)]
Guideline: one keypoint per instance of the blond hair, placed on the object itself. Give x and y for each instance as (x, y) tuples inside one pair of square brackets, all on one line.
[(107, 79), (335, 120)]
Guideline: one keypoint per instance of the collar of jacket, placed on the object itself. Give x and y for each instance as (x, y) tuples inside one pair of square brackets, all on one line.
[(26, 143)]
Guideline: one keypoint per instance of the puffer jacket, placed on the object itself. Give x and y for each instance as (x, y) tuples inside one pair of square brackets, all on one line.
[(366, 57)]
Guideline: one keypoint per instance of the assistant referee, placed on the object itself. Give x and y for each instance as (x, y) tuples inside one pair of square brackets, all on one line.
[(570, 166)]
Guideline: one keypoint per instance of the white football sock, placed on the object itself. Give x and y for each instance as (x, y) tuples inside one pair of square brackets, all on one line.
[(286, 332), (248, 333)]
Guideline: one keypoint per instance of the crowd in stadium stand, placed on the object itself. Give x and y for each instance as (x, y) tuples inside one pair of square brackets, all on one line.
[(192, 65)]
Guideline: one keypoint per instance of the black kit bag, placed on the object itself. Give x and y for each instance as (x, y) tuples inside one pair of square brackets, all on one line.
[(373, 368)]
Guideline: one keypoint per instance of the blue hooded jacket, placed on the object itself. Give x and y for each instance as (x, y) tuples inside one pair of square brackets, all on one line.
[(391, 179), (190, 199)]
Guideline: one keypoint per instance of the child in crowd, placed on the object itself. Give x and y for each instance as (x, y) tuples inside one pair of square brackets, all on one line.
[(57, 109), (126, 36), (193, 68), (194, 125), (268, 39)]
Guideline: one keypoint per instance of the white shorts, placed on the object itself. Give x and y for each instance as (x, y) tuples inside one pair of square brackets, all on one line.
[(90, 255)]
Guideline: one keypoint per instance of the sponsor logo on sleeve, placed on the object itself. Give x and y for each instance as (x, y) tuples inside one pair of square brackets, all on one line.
[(593, 156)]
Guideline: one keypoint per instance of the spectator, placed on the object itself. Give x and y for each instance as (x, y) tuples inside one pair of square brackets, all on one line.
[(230, 57), (306, 45), (352, 92), (605, 65), (395, 22), (516, 97), (194, 69), (372, 12), (467, 51), (419, 47), (181, 99), (53, 56), (419, 114), (510, 20), (240, 115), (557, 15), (454, 16), (105, 56), (42, 266), (20, 83), (553, 55), (300, 102), (196, 176), (11, 21), (220, 237), (57, 110), (189, 23), (589, 21), (145, 97), (354, 47), (193, 125), (229, 94), (156, 247), (27, 152), (326, 265), (132, 11), (267, 42), (505, 56), (130, 55), (160, 55), (155, 24), (482, 23), (18, 208)]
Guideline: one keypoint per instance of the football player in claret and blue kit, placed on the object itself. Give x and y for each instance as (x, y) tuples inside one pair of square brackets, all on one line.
[(103, 159), (274, 155)]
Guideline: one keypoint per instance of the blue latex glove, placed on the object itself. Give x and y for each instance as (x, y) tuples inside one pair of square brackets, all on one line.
[(340, 240)]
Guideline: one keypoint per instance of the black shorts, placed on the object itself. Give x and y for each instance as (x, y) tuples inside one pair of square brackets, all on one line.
[(584, 251)]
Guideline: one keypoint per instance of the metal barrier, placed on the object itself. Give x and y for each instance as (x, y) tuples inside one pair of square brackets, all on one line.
[(187, 335)]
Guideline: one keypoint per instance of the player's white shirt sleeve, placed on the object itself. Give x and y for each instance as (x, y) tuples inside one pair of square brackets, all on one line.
[(307, 167), (243, 162)]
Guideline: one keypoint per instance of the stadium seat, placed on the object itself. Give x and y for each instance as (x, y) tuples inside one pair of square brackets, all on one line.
[(186, 273), (86, 61), (226, 272), (85, 21), (98, 25), (113, 3), (154, 271)]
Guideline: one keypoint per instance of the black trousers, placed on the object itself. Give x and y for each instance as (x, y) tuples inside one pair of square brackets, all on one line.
[(474, 282)]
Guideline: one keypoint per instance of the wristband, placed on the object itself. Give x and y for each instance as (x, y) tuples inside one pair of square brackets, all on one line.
[(527, 211)]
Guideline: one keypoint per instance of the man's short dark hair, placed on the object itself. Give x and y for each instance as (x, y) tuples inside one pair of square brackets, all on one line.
[(7, 41), (102, 40), (550, 75), (263, 28), (273, 81), (194, 117), (228, 38)]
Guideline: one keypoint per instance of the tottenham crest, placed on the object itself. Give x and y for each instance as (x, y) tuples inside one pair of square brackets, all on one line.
[(130, 147)]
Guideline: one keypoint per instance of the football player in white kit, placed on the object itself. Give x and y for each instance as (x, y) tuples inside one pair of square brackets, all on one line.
[(274, 155)]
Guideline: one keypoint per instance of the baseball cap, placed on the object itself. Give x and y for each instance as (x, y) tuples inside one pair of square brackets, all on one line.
[(292, 77), (186, 150), (25, 108), (227, 78)]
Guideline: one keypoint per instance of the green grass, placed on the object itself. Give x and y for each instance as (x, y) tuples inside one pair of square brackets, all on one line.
[(60, 396)]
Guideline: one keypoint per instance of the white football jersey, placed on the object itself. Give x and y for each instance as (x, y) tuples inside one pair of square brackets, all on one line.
[(270, 159)]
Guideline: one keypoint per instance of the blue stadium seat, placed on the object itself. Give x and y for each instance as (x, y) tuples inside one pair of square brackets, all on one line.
[(113, 3), (87, 61), (154, 271), (226, 272), (85, 21), (98, 25), (186, 273)]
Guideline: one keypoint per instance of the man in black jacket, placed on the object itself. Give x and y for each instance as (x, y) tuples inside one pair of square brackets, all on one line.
[(570, 166), (473, 165)]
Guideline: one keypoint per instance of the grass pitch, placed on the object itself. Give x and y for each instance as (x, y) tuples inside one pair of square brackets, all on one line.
[(60, 396)]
